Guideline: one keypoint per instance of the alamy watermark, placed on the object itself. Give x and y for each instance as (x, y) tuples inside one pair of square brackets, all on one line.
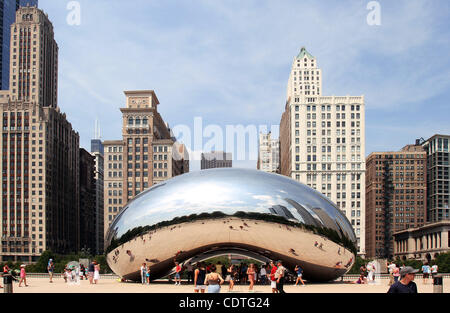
[(231, 139), (74, 16), (374, 16)]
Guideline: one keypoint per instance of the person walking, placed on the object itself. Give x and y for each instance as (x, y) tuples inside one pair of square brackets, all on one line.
[(50, 269), (23, 276), (91, 270), (391, 268), (251, 276), (406, 283), (299, 272), (396, 273), (147, 275), (82, 269), (199, 278), (273, 280), (96, 272), (213, 280), (244, 273), (426, 270), (190, 272), (143, 273), (279, 276), (370, 271), (224, 271), (263, 274), (177, 274), (232, 272)]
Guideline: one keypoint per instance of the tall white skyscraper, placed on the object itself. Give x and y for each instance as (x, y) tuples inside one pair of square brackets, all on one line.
[(322, 141), (268, 153)]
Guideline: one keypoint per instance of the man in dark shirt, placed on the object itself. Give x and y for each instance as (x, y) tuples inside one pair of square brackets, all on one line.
[(406, 283)]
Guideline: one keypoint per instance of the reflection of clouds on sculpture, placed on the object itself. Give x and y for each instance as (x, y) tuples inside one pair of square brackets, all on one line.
[(225, 191), (188, 205)]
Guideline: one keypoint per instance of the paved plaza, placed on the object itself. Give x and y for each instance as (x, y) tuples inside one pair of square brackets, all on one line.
[(42, 285)]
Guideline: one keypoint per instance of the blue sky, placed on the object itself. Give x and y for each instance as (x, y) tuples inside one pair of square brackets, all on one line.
[(229, 62)]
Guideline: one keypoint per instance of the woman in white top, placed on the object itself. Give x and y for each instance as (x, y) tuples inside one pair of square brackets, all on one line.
[(96, 272)]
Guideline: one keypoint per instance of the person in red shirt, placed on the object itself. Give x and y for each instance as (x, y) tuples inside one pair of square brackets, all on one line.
[(273, 281), (177, 274)]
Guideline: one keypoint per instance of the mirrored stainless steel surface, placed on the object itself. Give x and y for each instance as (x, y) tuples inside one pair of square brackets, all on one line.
[(238, 211)]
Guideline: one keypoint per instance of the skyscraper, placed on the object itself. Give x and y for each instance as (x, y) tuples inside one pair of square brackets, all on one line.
[(34, 58), (395, 197), (97, 150), (87, 198), (438, 177), (8, 10), (268, 153), (40, 160), (322, 141), (147, 154)]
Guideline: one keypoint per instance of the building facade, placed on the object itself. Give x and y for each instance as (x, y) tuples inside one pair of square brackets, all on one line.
[(113, 181), (216, 159), (97, 151), (8, 10), (40, 159), (146, 155), (34, 58), (322, 141), (423, 243), (438, 189), (87, 202), (268, 154), (396, 192)]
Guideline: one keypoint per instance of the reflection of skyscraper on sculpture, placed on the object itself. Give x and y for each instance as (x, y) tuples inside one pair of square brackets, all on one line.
[(327, 221), (282, 211), (304, 214)]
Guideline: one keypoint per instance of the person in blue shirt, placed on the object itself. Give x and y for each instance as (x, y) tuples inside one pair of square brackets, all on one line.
[(426, 270), (299, 272), (406, 283), (50, 269)]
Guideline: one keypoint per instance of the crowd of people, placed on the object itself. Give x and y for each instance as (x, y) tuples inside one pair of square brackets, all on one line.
[(73, 274), (208, 276)]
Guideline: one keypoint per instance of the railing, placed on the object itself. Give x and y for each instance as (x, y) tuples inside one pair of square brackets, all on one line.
[(60, 275), (114, 276), (386, 276)]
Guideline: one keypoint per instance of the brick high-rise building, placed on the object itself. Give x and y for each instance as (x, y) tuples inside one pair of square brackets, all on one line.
[(395, 196), (113, 181), (322, 141), (40, 159), (147, 154), (34, 58)]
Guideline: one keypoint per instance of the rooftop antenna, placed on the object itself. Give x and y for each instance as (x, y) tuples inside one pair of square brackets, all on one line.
[(96, 129)]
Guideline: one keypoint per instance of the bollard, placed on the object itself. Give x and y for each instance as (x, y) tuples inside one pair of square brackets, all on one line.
[(437, 284), (7, 283)]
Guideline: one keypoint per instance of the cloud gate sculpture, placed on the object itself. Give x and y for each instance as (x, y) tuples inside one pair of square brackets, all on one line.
[(199, 215)]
